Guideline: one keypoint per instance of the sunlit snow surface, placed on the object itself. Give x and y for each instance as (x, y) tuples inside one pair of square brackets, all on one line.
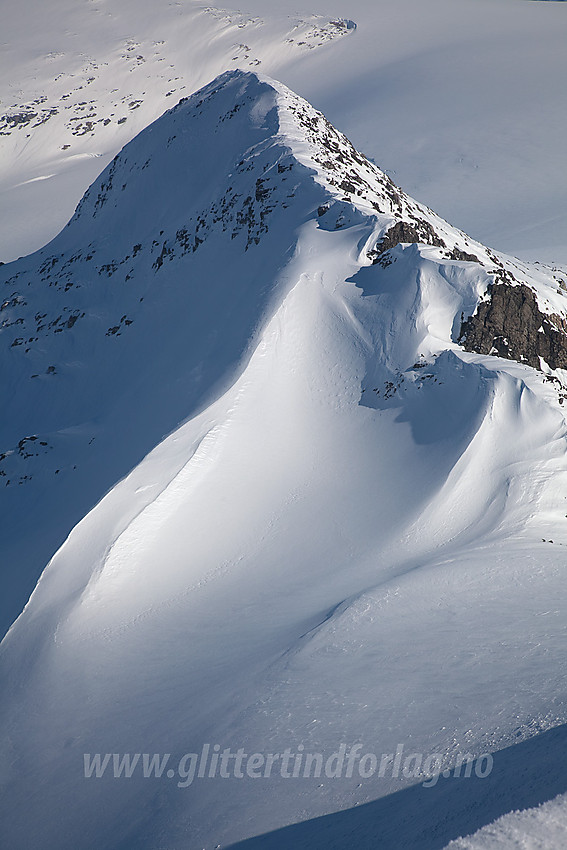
[(357, 535), (532, 829), (461, 101)]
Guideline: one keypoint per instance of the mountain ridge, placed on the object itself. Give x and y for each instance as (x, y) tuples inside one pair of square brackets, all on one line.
[(99, 273), (343, 493)]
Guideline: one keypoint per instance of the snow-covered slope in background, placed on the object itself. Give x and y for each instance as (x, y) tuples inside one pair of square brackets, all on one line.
[(461, 101), (357, 535), (88, 76)]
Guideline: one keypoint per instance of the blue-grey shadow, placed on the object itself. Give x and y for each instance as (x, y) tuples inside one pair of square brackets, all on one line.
[(418, 818)]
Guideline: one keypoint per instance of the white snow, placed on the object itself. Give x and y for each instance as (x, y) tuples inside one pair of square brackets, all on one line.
[(356, 534), (462, 102), (540, 828)]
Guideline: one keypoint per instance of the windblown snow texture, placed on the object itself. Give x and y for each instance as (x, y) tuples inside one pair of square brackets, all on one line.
[(319, 551)]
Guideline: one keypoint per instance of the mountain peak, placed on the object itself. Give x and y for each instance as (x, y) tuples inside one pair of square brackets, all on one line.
[(241, 280), (149, 303), (237, 150)]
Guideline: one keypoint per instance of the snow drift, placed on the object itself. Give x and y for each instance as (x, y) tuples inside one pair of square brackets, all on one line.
[(354, 531)]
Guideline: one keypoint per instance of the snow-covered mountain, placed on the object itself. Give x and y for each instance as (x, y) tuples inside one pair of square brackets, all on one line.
[(462, 102), (89, 76), (355, 531)]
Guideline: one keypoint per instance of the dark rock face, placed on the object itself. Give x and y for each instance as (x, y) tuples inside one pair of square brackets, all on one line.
[(457, 254), (402, 231), (510, 324)]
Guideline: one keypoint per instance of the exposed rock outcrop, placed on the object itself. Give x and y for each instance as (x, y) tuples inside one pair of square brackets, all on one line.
[(457, 254), (402, 231), (510, 324)]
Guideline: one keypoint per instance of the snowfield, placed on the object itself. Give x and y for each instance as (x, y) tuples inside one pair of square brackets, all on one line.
[(88, 76), (462, 102), (356, 536), (292, 446)]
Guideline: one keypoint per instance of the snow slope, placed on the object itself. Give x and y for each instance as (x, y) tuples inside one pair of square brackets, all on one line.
[(461, 101), (533, 829), (522, 775), (88, 76), (357, 533)]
